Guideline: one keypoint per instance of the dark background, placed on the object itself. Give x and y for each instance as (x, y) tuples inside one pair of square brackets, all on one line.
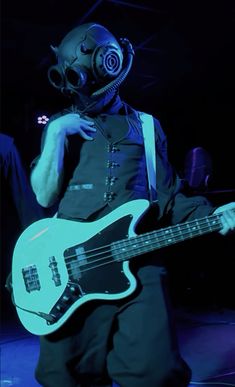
[(183, 73)]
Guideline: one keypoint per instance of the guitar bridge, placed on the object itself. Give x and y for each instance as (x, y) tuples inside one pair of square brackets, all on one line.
[(31, 278)]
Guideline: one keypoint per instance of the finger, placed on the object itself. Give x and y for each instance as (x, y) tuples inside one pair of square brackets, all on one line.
[(230, 218), (86, 127), (84, 135), (225, 229), (88, 124), (228, 222), (90, 128)]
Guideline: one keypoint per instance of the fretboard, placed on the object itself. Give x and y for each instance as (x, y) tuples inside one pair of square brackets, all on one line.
[(128, 248)]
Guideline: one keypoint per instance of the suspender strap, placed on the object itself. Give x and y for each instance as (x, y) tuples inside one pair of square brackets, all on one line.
[(150, 152)]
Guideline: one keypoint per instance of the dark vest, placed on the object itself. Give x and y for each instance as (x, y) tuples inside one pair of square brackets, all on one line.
[(110, 170)]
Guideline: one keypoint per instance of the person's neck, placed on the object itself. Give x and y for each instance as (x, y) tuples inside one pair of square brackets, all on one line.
[(106, 105)]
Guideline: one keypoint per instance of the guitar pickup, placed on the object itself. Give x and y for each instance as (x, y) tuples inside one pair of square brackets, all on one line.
[(31, 278), (55, 272)]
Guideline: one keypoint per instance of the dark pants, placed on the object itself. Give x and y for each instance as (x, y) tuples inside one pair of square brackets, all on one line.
[(130, 342)]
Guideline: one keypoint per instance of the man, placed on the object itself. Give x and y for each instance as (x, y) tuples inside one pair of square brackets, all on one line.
[(19, 209), (14, 181), (93, 161)]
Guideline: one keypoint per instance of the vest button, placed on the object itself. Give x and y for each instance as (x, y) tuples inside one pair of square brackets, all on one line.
[(112, 164), (112, 148), (109, 196), (110, 180)]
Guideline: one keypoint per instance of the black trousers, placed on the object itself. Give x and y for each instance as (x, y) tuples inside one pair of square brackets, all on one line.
[(131, 342)]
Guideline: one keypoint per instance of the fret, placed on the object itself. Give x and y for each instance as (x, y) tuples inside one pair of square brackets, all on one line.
[(209, 223), (119, 250), (154, 240), (180, 232), (199, 226), (145, 242), (213, 223), (189, 230), (127, 248), (194, 227), (167, 237)]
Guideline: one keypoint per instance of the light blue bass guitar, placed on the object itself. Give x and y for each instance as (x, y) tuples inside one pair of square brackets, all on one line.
[(59, 264)]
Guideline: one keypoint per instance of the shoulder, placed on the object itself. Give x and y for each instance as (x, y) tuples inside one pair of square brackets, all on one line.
[(141, 117), (150, 120)]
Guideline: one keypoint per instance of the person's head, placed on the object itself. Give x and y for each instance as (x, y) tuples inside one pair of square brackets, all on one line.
[(91, 63)]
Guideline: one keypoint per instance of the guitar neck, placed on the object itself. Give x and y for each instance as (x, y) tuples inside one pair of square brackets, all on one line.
[(154, 240)]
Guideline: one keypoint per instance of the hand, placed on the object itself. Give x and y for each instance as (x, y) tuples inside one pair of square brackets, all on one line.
[(227, 218), (73, 123)]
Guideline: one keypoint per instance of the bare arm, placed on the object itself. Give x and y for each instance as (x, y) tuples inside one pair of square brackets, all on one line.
[(47, 176)]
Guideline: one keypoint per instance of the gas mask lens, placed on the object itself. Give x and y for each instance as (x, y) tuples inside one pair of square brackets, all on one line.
[(76, 77), (56, 77), (72, 77)]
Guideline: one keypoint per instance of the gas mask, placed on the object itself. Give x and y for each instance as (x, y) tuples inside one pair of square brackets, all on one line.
[(91, 63)]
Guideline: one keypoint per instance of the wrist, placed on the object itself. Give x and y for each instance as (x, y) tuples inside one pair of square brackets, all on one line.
[(55, 132)]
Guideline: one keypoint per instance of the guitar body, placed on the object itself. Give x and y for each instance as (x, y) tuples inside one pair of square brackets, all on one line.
[(59, 264)]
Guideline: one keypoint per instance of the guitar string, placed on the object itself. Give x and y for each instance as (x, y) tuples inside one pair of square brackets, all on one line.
[(126, 250), (211, 227), (75, 269), (119, 250), (76, 265), (163, 239), (165, 233), (152, 245)]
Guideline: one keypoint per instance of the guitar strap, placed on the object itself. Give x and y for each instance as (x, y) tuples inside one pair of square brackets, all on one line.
[(150, 152)]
